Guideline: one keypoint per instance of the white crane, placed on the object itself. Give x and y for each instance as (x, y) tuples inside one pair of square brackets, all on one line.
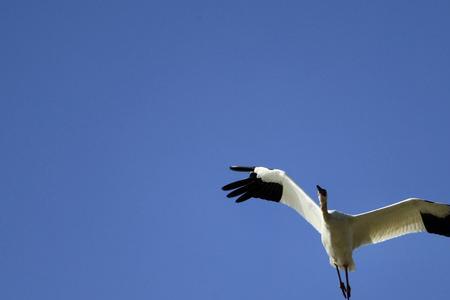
[(342, 233)]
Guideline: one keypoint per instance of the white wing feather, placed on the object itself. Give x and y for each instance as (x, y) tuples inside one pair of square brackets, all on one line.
[(393, 221), (293, 196)]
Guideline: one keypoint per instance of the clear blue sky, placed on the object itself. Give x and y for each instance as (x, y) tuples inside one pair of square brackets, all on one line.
[(119, 119)]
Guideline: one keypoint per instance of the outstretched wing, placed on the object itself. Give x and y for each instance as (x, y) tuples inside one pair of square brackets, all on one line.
[(275, 185), (408, 216)]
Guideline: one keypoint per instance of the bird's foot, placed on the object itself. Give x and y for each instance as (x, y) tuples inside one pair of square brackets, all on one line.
[(344, 290), (349, 291)]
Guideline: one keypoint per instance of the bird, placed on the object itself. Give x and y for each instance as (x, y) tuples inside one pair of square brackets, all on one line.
[(341, 233)]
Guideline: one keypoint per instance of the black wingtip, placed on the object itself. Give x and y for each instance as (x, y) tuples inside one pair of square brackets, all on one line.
[(242, 169), (321, 190), (436, 225), (239, 183), (244, 197)]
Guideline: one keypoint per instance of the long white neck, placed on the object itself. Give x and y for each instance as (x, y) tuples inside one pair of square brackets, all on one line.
[(324, 205)]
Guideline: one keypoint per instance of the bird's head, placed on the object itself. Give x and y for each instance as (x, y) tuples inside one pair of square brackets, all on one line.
[(321, 191)]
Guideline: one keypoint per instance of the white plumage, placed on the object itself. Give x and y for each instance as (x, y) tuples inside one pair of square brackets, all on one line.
[(342, 233)]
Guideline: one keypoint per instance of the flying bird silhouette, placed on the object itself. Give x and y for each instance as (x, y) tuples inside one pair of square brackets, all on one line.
[(342, 233)]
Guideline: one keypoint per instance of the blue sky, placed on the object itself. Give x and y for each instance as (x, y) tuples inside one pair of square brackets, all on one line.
[(119, 119)]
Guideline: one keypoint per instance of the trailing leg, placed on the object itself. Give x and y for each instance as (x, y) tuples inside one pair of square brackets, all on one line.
[(348, 288), (341, 284)]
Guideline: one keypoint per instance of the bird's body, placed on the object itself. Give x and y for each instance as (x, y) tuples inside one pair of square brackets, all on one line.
[(337, 239), (342, 233)]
